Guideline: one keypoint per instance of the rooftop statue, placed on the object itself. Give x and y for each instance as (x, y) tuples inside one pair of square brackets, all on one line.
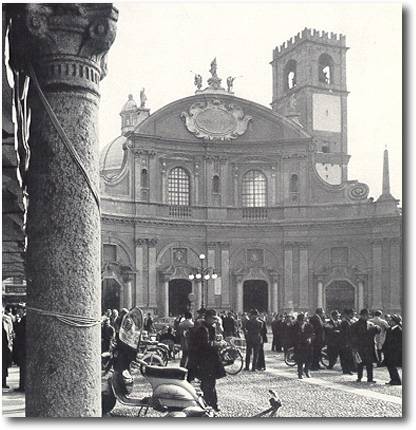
[(143, 98), (198, 81), (214, 81), (230, 83)]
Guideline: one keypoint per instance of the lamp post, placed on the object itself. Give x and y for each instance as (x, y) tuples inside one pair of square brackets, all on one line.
[(203, 274)]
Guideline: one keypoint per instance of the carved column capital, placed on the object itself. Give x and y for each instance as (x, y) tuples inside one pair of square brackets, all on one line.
[(65, 43), (152, 242), (140, 242)]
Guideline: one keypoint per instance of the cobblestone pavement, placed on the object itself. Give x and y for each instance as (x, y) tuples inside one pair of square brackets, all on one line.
[(13, 402), (328, 393)]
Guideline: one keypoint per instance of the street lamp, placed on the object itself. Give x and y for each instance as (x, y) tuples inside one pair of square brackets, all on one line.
[(202, 274)]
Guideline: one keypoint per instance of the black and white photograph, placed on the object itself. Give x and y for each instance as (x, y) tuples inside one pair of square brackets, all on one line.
[(202, 210)]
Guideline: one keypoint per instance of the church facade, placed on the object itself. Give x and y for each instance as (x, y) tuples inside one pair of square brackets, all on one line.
[(217, 201)]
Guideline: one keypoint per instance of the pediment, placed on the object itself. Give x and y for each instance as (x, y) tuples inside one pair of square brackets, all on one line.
[(219, 118)]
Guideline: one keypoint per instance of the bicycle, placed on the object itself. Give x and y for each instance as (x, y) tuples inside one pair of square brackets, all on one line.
[(231, 357), (289, 357)]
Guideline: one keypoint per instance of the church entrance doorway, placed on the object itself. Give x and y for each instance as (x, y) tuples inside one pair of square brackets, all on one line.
[(110, 295), (179, 290), (255, 295), (339, 295)]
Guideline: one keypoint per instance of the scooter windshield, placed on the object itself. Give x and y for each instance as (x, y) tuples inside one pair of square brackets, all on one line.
[(131, 327)]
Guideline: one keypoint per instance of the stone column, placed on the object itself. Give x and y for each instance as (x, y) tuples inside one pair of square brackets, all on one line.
[(152, 273), (127, 278), (395, 275), (303, 278), (139, 288), (377, 298), (360, 295), (163, 170), (66, 45), (153, 173), (235, 185), (198, 295), (225, 275), (274, 294), (239, 294), (165, 296), (319, 294), (196, 184), (288, 281), (210, 282)]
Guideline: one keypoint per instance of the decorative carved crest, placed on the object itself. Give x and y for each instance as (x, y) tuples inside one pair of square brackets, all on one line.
[(358, 191), (215, 120)]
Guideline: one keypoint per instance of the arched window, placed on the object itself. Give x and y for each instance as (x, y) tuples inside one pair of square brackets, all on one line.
[(179, 187), (326, 68), (290, 75), (254, 189), (216, 184), (144, 179), (293, 187)]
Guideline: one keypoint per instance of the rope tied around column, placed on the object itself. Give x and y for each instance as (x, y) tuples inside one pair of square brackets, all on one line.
[(67, 143), (69, 319)]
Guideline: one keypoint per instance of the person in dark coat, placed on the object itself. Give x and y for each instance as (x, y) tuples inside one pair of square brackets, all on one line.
[(229, 325), (333, 338), (6, 357), (204, 361), (287, 332), (261, 362), (302, 335), (277, 332), (252, 332), (19, 346), (317, 322), (392, 349), (346, 358), (107, 335), (363, 344)]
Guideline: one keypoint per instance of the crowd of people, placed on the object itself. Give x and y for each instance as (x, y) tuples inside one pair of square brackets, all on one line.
[(359, 341), (14, 342)]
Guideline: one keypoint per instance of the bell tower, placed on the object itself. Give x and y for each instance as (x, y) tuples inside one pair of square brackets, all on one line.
[(309, 76)]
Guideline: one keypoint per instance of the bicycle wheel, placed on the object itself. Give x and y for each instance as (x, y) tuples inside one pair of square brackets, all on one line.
[(324, 359), (232, 359), (290, 357)]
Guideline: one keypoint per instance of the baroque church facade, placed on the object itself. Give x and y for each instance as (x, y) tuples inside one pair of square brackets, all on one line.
[(213, 184)]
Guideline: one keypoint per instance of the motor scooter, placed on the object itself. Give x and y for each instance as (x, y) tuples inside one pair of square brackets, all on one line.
[(171, 392)]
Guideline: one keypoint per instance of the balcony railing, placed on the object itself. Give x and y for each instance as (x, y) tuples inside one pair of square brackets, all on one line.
[(125, 208), (255, 213), (180, 211)]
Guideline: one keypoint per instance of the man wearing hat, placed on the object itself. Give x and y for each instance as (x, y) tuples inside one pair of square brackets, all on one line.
[(362, 337), (392, 349)]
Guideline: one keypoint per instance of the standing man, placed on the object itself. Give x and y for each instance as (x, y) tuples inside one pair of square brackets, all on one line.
[(184, 329), (363, 333), (252, 332), (392, 349), (107, 335), (333, 338), (204, 361), (380, 337), (229, 325), (303, 332), (347, 362), (20, 346), (276, 343), (148, 324), (317, 322)]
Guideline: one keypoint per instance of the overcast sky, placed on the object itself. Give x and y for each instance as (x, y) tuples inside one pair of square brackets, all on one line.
[(158, 44)]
